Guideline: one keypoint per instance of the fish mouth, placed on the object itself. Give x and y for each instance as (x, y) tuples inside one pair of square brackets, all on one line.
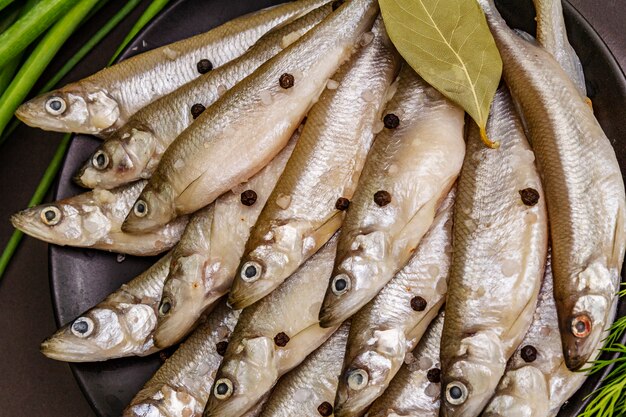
[(26, 223), (59, 349), (243, 295)]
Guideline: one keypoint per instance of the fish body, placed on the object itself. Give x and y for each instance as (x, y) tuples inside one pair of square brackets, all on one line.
[(415, 390), (302, 214), (392, 324), (410, 169), (205, 260), (552, 36), (500, 243), (272, 337), (308, 390), (537, 382), (181, 386), (121, 325), (94, 220), (246, 127), (583, 184), (103, 102), (134, 151)]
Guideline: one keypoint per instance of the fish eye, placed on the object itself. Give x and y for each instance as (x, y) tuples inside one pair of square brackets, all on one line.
[(165, 306), (82, 327), (341, 284), (358, 379), (456, 393), (100, 160), (56, 106), (51, 215), (581, 326), (223, 389), (140, 208), (251, 271)]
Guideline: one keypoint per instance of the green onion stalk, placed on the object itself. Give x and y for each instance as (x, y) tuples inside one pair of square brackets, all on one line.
[(28, 27), (8, 70)]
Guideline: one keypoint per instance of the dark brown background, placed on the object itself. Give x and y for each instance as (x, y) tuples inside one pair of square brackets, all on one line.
[(30, 384)]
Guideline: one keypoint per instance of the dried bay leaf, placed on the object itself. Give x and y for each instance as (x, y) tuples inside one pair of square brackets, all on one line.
[(448, 43)]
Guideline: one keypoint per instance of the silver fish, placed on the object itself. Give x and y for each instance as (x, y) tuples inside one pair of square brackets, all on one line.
[(134, 151), (121, 325), (392, 324), (415, 390), (272, 337), (302, 212), (243, 130), (94, 220), (413, 164), (103, 102), (552, 36), (500, 243), (584, 189), (205, 260), (308, 390), (537, 382), (181, 386)]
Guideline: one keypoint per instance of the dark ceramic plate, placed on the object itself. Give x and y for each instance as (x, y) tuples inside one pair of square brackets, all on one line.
[(81, 278)]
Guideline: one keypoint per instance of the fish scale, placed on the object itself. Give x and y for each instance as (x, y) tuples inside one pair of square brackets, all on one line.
[(411, 393), (182, 384), (499, 254), (584, 189), (537, 385), (325, 165), (243, 130), (206, 258), (305, 389), (272, 337), (388, 327), (104, 101), (415, 164), (134, 150)]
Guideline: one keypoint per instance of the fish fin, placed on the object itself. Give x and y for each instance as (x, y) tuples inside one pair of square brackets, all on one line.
[(326, 230), (526, 36), (301, 345), (414, 334)]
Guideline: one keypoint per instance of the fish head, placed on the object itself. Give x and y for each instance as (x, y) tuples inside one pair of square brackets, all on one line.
[(64, 223), (590, 308), (267, 263), (164, 401), (182, 301), (79, 108), (369, 372), (103, 333), (248, 372), (359, 275), (151, 210), (522, 392), (469, 380), (121, 159)]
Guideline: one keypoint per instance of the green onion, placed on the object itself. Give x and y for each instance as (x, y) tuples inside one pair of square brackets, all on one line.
[(8, 70), (155, 7), (8, 17), (17, 37), (40, 193), (5, 3), (39, 59)]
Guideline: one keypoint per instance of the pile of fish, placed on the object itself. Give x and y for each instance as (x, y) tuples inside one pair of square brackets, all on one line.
[(290, 159)]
